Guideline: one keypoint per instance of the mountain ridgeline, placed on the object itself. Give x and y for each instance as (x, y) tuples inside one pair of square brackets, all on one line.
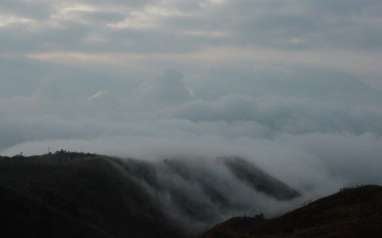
[(351, 213), (86, 195)]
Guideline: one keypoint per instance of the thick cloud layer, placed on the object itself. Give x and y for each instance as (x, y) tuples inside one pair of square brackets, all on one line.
[(294, 86)]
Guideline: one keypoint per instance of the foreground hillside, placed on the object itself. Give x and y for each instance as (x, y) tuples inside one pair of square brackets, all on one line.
[(350, 213), (75, 195), (26, 217), (86, 195)]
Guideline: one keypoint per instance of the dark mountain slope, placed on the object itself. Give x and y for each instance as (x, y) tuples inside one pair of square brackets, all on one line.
[(135, 198), (350, 213), (25, 217), (259, 180), (202, 193), (88, 188)]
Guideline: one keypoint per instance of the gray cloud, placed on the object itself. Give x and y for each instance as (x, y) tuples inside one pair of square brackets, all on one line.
[(293, 86), (179, 25)]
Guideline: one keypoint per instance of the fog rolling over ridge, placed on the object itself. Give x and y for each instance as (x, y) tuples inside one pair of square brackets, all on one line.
[(290, 89), (196, 196)]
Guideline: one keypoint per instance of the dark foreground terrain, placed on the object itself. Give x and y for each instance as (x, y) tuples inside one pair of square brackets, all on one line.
[(355, 212), (75, 195), (67, 194), (86, 195)]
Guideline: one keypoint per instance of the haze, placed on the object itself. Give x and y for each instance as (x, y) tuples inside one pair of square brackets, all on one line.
[(293, 85)]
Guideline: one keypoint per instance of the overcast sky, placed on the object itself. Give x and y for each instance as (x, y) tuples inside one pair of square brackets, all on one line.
[(283, 82)]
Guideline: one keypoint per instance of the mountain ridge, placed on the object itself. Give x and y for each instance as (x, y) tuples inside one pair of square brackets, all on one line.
[(352, 212), (173, 197)]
